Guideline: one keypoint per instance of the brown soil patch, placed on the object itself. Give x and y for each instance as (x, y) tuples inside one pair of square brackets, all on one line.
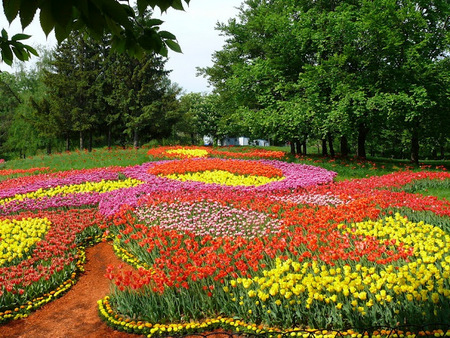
[(75, 313)]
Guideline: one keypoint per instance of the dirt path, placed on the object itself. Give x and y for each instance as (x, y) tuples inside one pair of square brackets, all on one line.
[(74, 314)]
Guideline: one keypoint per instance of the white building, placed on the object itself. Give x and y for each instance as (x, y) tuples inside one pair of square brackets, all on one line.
[(237, 141)]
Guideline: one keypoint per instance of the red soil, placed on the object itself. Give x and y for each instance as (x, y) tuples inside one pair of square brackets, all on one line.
[(75, 313)]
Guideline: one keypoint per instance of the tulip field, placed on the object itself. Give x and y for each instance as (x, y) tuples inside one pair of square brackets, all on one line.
[(242, 240)]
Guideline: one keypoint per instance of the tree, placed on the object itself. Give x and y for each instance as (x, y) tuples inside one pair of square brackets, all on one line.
[(63, 82), (96, 90), (98, 17), (202, 115), (137, 87), (327, 69), (19, 135), (9, 100)]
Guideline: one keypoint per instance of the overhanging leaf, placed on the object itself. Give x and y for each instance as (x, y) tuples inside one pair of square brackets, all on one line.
[(7, 55), (46, 19), (11, 9), (95, 22), (27, 11), (62, 12), (150, 40), (31, 50), (19, 36), (154, 22), (20, 53), (164, 51), (118, 44), (167, 35), (178, 4), (173, 46), (142, 5), (61, 32), (117, 12), (113, 26)]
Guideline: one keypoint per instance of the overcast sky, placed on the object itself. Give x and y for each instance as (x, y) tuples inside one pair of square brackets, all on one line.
[(193, 28)]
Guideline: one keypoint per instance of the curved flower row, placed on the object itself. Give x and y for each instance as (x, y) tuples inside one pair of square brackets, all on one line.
[(8, 172), (296, 175), (421, 283), (338, 291), (17, 236), (183, 152), (113, 319), (300, 251), (25, 309), (254, 168), (50, 262), (100, 187), (320, 270), (75, 188), (208, 219), (24, 185)]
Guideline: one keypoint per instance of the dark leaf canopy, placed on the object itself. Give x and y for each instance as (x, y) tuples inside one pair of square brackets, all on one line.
[(99, 17)]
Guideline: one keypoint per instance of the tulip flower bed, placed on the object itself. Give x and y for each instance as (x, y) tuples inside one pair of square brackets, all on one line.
[(43, 257), (7, 174), (332, 255), (183, 152), (253, 246)]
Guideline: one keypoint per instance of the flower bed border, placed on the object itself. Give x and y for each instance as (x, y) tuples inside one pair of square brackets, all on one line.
[(23, 311), (117, 322)]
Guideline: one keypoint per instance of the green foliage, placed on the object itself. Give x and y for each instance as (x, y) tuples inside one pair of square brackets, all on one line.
[(98, 17), (85, 92), (14, 48), (440, 188), (94, 90), (142, 95), (17, 129), (367, 71)]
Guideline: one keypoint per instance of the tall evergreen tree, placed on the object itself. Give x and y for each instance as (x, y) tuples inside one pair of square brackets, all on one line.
[(137, 86)]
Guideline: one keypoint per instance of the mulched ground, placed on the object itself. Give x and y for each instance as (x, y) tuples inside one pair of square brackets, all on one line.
[(75, 313)]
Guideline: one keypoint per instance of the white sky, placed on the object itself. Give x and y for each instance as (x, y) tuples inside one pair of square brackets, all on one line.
[(193, 28)]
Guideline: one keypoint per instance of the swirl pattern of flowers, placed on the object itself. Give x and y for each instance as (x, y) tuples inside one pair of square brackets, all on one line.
[(270, 246)]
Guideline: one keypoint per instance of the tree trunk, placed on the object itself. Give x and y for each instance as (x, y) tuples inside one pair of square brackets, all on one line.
[(324, 147), (304, 148), (442, 150), (344, 146), (81, 140), (298, 146), (109, 137), (292, 144), (135, 138), (362, 134), (90, 140), (67, 141), (49, 148), (434, 153), (330, 144), (415, 146)]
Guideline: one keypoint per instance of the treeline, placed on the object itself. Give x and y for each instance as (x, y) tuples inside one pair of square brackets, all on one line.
[(351, 77), (83, 95), (356, 76)]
